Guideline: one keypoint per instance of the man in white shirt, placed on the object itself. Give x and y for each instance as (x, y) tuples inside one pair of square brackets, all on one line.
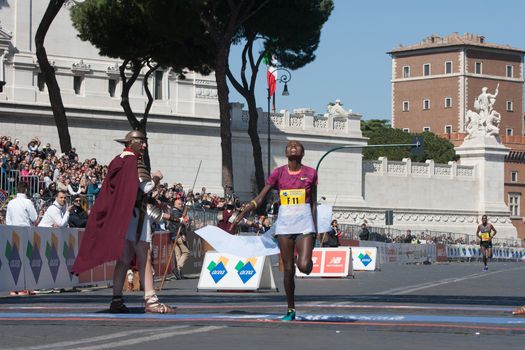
[(20, 210), (57, 215)]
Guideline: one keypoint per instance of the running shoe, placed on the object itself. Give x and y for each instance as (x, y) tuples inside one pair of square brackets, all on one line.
[(519, 311), (290, 316), (26, 292), (486, 269)]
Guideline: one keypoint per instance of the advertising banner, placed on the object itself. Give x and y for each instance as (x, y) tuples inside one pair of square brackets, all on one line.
[(12, 250), (37, 258), (229, 272), (364, 258), (49, 256), (330, 262)]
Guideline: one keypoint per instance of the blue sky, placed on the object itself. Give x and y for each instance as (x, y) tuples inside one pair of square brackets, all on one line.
[(352, 64)]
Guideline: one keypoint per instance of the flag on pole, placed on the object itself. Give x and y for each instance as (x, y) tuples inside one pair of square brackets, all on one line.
[(271, 76)]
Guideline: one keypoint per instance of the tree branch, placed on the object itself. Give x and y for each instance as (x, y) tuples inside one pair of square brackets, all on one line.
[(126, 87), (145, 83), (235, 83)]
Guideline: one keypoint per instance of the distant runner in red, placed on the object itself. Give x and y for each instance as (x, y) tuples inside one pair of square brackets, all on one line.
[(295, 227)]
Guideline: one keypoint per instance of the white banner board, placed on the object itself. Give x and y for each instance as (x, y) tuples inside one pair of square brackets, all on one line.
[(364, 258), (229, 272)]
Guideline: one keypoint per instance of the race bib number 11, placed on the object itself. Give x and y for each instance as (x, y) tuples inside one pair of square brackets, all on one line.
[(291, 197)]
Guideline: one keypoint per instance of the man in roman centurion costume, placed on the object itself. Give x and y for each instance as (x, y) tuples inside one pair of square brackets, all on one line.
[(119, 225)]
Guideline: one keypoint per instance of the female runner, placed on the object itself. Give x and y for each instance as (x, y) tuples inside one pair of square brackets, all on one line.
[(295, 227)]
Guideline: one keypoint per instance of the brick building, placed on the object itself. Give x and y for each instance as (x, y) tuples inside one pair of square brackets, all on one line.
[(436, 81)]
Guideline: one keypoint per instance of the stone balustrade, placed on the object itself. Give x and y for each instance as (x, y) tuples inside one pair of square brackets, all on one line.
[(405, 167), (303, 120)]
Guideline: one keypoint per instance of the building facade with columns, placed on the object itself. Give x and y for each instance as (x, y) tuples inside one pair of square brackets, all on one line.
[(183, 129)]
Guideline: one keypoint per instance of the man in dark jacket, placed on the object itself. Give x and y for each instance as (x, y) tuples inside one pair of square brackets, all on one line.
[(78, 216), (364, 234), (178, 226)]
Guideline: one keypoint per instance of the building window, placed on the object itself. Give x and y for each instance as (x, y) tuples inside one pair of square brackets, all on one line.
[(448, 129), (509, 106), (406, 71), (510, 71), (513, 176), (112, 86), (514, 204), (448, 102), (77, 84), (407, 130), (426, 104), (478, 68), (448, 67), (509, 131), (426, 69), (40, 82), (426, 129), (406, 106), (158, 85)]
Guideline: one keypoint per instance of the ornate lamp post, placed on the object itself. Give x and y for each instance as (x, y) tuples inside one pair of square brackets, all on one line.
[(282, 79)]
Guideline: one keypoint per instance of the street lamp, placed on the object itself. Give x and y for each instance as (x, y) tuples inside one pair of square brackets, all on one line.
[(282, 79)]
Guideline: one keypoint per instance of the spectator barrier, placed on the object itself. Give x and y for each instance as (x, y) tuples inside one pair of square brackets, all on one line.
[(37, 258), (41, 258)]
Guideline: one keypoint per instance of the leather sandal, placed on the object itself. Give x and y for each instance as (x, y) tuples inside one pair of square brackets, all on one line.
[(154, 306)]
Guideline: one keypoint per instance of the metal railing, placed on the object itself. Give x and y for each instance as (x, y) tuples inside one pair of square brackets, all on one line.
[(385, 234)]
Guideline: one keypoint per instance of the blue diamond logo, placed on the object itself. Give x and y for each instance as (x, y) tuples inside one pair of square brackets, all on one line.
[(246, 272), (218, 272), (54, 263), (36, 263), (15, 264), (365, 259)]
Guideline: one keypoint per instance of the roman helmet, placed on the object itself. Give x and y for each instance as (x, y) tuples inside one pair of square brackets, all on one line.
[(132, 135)]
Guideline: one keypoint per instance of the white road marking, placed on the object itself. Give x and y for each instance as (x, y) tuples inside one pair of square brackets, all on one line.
[(138, 336), (153, 337), (426, 285)]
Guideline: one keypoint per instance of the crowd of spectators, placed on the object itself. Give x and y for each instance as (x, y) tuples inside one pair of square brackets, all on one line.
[(366, 233), (47, 171)]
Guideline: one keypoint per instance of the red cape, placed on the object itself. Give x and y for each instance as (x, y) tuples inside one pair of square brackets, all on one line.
[(110, 216)]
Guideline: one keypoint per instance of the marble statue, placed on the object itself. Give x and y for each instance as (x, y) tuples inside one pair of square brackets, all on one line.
[(337, 109), (486, 121)]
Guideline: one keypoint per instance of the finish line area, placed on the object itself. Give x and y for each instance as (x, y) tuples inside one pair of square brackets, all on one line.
[(136, 313), (401, 306)]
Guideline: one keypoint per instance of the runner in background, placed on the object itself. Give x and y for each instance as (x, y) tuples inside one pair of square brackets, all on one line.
[(295, 227), (485, 233)]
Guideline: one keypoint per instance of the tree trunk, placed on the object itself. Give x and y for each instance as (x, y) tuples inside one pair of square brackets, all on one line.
[(256, 142), (144, 122), (126, 87), (57, 106), (224, 109)]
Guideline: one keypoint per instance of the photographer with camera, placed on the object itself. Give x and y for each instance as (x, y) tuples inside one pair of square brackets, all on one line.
[(332, 237)]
